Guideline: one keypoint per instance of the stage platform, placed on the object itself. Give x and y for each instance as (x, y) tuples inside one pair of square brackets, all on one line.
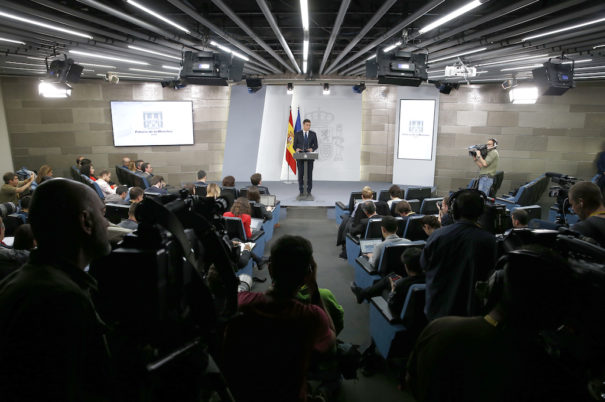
[(326, 193)]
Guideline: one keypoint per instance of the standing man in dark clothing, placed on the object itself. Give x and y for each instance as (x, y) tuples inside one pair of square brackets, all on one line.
[(52, 344), (600, 162), (456, 257), (305, 141)]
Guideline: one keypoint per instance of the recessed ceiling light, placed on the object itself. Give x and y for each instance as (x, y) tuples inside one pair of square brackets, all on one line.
[(140, 49), (12, 41), (563, 29), (100, 56), (158, 16), (44, 25)]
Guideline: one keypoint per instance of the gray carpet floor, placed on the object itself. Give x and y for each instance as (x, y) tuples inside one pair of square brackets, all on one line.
[(318, 225)]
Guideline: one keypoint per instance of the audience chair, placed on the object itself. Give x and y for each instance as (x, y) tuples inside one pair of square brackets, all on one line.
[(342, 209), (93, 185), (11, 223), (231, 190), (396, 335), (139, 181), (235, 230), (116, 212), (75, 173), (533, 211), (384, 195), (382, 208), (527, 194), (418, 193), (200, 189), (373, 229), (413, 228), (429, 206), (390, 261), (243, 192)]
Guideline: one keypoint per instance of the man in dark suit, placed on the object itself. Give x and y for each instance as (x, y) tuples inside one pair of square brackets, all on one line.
[(305, 141)]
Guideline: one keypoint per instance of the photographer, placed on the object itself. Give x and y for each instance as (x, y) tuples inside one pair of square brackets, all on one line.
[(488, 166), (586, 201)]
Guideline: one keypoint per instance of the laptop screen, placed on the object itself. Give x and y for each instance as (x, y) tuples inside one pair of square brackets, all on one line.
[(367, 246), (268, 200), (256, 224)]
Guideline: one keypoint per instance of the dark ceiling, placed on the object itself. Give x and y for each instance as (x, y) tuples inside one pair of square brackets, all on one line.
[(342, 35)]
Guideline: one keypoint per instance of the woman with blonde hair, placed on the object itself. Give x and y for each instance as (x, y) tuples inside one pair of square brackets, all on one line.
[(44, 172), (213, 190)]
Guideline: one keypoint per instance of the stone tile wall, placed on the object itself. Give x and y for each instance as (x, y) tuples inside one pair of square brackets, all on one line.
[(56, 131), (558, 134)]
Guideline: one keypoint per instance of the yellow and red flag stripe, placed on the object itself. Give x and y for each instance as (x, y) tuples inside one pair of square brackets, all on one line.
[(289, 145)]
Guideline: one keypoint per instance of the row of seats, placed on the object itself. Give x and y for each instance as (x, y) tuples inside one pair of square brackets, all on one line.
[(498, 179), (527, 194), (128, 178), (77, 176), (414, 195)]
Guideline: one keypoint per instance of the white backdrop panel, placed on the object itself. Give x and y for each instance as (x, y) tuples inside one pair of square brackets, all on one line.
[(274, 128), (336, 118)]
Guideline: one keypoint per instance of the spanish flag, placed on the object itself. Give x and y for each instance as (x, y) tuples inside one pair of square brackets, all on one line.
[(289, 148)]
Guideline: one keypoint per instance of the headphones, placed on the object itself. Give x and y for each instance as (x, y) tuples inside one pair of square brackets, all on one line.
[(453, 204)]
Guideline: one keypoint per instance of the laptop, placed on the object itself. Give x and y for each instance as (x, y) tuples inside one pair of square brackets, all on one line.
[(256, 224), (367, 246), (268, 200)]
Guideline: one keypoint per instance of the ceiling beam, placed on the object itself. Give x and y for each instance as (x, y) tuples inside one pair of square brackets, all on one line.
[(273, 24), (344, 5)]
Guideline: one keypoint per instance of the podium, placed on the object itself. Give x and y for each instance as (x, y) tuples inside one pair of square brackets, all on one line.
[(305, 157)]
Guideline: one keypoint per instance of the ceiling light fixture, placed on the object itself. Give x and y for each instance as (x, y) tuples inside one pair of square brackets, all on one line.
[(158, 16), (523, 95), (133, 76), (305, 49), (100, 56), (371, 57), (326, 90), (140, 49), (172, 68), (393, 46), (290, 89), (25, 64), (43, 25), (304, 13), (578, 61), (598, 46), (35, 58), (509, 61), (454, 14), (522, 67), (95, 65), (458, 55), (227, 50), (589, 77), (589, 68), (305, 67), (24, 69), (53, 90), (12, 41), (563, 29), (150, 71)]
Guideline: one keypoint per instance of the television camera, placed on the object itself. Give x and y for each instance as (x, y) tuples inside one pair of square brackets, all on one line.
[(481, 148), (162, 317), (574, 343), (561, 193)]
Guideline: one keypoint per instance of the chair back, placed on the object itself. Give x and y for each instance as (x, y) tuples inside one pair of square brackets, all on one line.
[(382, 208), (384, 195), (200, 189), (231, 190), (390, 260), (92, 184), (373, 230), (75, 173), (417, 193), (256, 210), (116, 212), (401, 222), (243, 192), (277, 346), (356, 195), (429, 206), (140, 181), (412, 313), (122, 175), (413, 228), (235, 228)]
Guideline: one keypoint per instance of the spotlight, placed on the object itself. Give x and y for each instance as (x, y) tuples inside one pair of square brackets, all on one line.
[(54, 90), (290, 90), (112, 78), (359, 88), (174, 84), (508, 84), (254, 85), (326, 89), (446, 87)]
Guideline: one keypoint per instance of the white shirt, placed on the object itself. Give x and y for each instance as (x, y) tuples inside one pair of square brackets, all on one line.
[(105, 187)]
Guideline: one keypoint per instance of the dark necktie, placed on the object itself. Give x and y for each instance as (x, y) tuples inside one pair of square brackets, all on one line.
[(306, 142)]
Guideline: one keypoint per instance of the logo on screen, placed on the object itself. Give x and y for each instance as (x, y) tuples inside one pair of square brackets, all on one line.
[(153, 120), (416, 126)]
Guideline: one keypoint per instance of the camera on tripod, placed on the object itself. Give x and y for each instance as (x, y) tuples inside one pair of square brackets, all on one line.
[(481, 148), (153, 295), (561, 193)]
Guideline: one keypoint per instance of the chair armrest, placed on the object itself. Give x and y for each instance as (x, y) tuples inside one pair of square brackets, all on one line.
[(342, 206), (257, 235), (353, 238), (365, 264), (381, 304)]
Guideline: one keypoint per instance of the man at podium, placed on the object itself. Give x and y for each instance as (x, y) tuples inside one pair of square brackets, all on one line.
[(305, 141)]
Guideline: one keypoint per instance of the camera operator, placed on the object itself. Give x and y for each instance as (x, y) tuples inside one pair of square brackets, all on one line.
[(587, 202), (52, 344), (487, 166)]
